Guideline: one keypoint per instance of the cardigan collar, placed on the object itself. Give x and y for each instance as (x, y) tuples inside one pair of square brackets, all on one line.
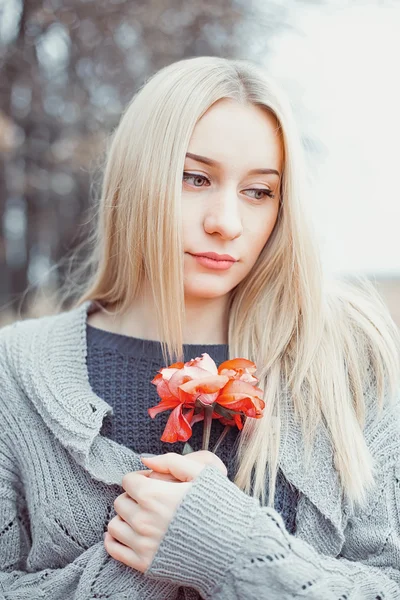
[(51, 363)]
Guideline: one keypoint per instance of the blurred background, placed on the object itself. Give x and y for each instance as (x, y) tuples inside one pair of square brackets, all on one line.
[(68, 68)]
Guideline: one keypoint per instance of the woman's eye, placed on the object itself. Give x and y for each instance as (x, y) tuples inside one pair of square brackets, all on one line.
[(201, 180), (259, 194), (197, 180)]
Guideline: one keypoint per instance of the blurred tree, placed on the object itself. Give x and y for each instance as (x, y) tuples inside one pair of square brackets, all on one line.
[(67, 69)]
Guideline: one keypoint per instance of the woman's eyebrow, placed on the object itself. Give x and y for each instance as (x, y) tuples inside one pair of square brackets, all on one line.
[(214, 163)]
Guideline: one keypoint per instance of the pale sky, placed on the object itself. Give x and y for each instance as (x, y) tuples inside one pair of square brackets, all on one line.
[(341, 72)]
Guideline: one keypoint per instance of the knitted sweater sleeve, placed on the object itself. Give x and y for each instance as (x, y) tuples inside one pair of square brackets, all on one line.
[(94, 574), (223, 543)]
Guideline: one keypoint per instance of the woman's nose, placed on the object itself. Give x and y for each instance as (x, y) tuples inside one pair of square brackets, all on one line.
[(223, 215)]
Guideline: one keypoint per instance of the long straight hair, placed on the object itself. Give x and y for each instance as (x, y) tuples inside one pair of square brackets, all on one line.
[(321, 343)]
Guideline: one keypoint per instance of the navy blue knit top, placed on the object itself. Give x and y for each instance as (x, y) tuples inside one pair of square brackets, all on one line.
[(120, 372)]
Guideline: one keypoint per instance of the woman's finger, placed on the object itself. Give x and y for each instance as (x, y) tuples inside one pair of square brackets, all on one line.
[(162, 476), (123, 554), (122, 532), (126, 507), (181, 467)]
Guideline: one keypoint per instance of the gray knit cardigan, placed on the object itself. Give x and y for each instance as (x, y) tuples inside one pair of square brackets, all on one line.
[(59, 477)]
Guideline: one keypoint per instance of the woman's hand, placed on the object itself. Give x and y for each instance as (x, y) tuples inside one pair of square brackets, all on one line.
[(145, 510)]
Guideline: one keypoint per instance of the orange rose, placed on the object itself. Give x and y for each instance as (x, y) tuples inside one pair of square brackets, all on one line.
[(189, 385), (188, 388)]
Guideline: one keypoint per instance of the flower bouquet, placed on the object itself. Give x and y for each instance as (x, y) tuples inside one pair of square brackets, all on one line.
[(198, 390)]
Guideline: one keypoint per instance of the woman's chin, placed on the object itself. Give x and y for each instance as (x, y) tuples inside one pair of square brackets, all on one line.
[(207, 292)]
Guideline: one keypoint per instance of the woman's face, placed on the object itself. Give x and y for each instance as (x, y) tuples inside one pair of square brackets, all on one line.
[(229, 205)]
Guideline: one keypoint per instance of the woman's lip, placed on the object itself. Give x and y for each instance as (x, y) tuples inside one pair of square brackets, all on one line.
[(210, 263), (215, 256)]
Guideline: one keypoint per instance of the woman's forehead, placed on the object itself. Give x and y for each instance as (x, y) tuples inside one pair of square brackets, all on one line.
[(230, 133)]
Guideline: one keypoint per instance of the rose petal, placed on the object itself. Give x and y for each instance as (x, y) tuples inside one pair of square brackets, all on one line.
[(177, 427), (236, 420), (205, 362), (206, 388), (185, 374), (168, 372), (165, 404), (241, 396), (239, 368), (194, 418), (239, 374), (163, 389), (238, 363), (249, 378)]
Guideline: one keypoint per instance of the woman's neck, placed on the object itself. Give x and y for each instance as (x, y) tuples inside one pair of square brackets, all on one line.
[(203, 326)]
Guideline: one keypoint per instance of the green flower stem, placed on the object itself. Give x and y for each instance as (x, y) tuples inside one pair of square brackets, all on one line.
[(208, 411), (221, 438)]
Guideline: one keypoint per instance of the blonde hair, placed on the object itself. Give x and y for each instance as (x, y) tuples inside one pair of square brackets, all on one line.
[(325, 343)]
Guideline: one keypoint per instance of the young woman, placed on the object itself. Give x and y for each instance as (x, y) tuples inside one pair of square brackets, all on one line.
[(303, 502)]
